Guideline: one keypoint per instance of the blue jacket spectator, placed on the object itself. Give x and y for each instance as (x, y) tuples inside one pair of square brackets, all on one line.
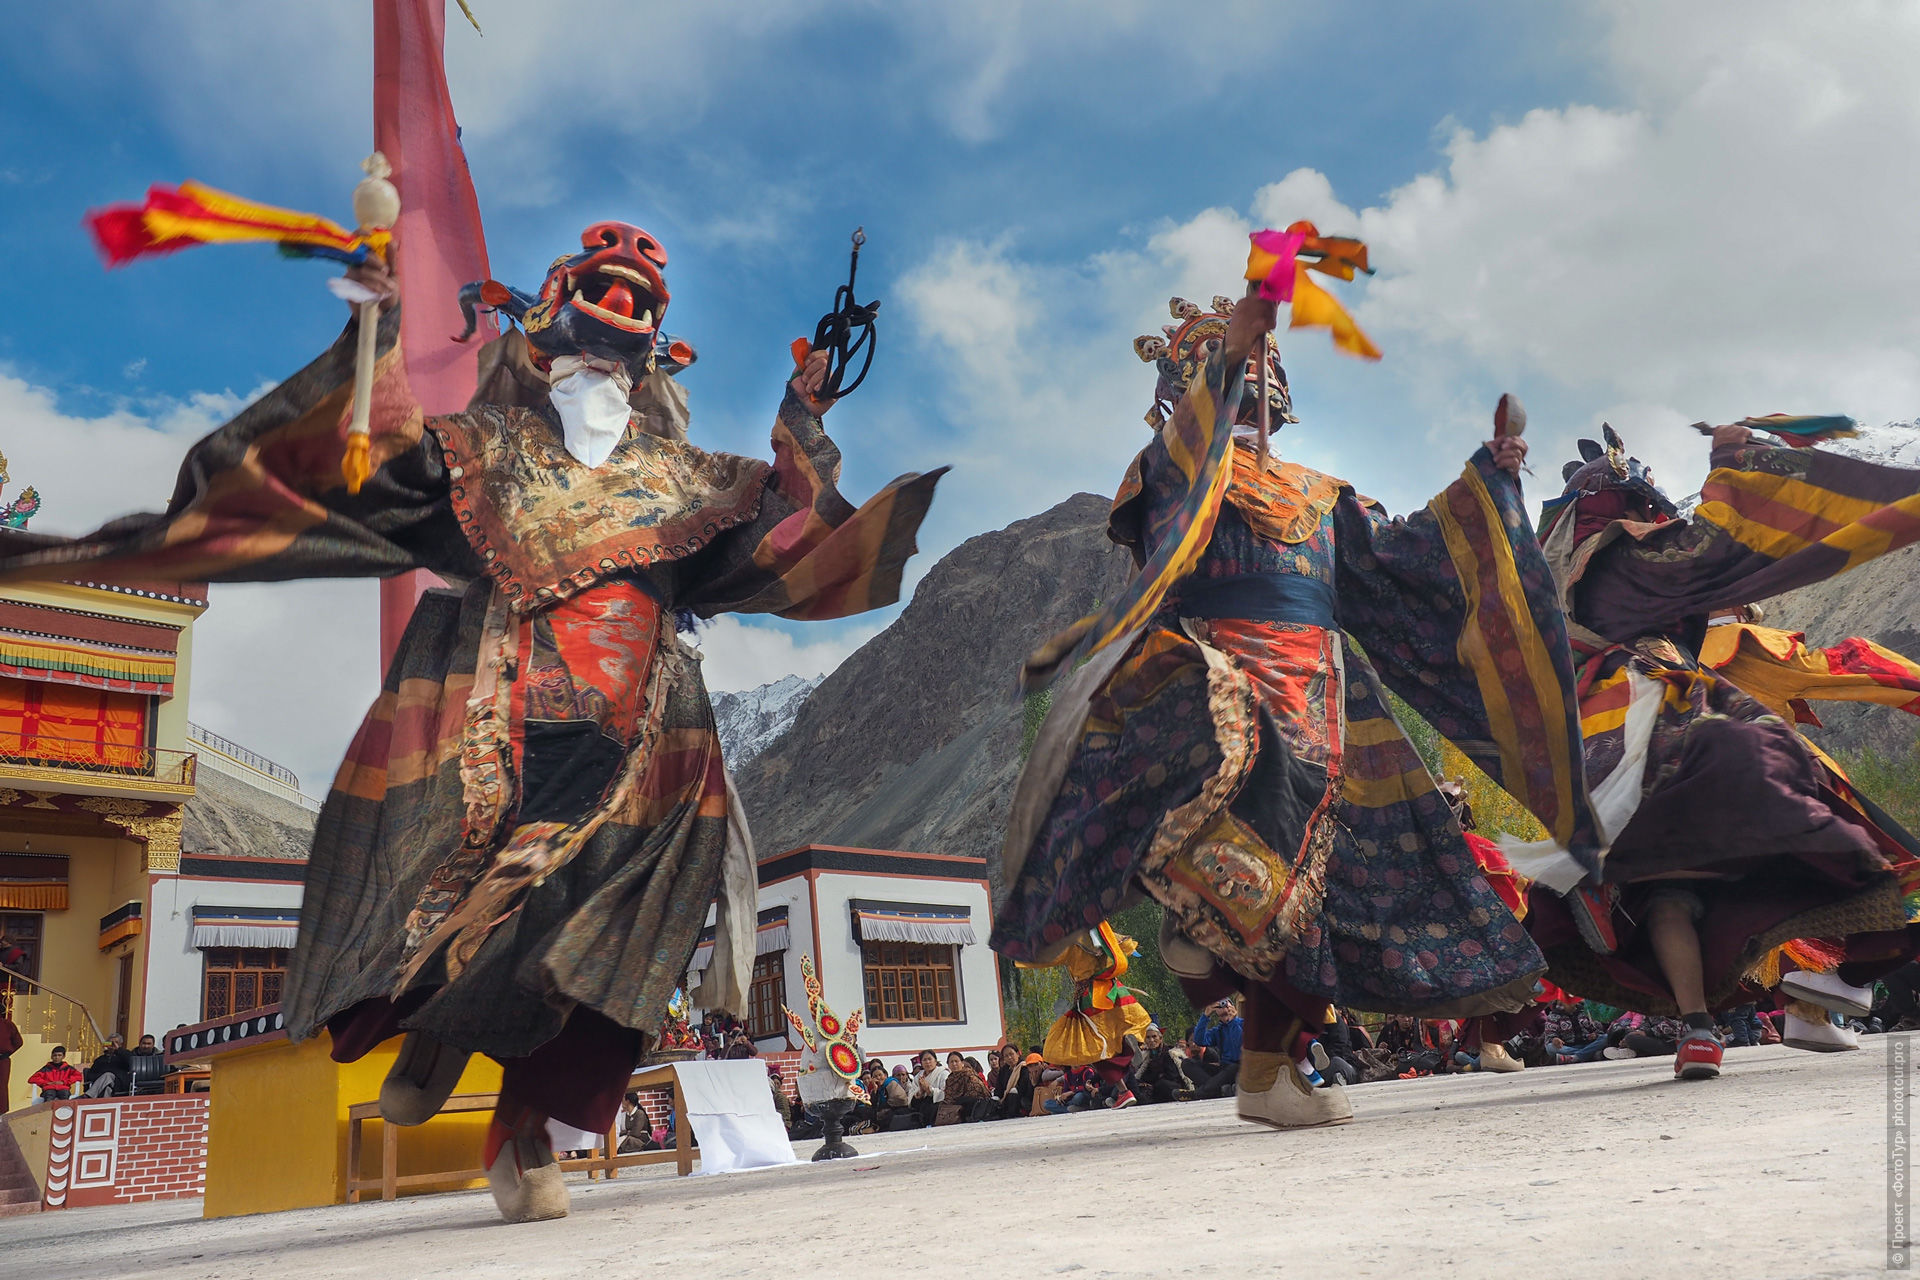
[(1221, 1036)]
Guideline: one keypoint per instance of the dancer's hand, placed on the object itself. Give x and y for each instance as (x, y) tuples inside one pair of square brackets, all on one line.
[(1253, 317), (1733, 434), (376, 276), (806, 384), (1509, 453)]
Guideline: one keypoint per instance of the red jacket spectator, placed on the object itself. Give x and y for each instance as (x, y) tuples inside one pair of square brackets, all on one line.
[(58, 1079)]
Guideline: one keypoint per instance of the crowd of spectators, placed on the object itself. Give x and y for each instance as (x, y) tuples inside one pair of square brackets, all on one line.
[(116, 1072)]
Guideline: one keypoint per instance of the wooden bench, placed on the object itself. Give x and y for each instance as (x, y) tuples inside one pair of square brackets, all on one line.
[(607, 1164)]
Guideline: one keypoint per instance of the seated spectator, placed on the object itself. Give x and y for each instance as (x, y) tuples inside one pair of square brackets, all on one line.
[(894, 1107), (781, 1102), (1634, 1035), (58, 1079), (1337, 1040), (1410, 1042), (1009, 1086), (1220, 1028), (1077, 1089), (149, 1067), (636, 1126), (1043, 1079), (112, 1071), (740, 1044), (1743, 1025), (873, 1078), (1159, 1071), (929, 1087), (966, 1088)]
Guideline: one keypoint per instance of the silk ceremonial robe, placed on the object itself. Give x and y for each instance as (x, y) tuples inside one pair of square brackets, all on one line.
[(1235, 755), (1695, 780), (534, 816)]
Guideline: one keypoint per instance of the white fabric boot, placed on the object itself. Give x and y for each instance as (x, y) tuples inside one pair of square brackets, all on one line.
[(1827, 991)]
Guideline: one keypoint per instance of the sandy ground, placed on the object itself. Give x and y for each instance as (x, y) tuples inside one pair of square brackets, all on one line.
[(1777, 1170)]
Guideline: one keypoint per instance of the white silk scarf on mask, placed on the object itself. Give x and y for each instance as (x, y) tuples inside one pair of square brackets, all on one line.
[(591, 398)]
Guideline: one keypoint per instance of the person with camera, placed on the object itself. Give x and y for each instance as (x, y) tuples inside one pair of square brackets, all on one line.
[(1220, 1028)]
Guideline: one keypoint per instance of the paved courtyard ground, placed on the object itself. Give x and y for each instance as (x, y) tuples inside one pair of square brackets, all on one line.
[(1776, 1171)]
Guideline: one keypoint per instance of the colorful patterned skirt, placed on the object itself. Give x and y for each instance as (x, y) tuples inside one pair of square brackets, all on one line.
[(1249, 776)]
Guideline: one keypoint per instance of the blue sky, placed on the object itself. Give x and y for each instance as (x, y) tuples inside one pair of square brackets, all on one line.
[(1616, 209)]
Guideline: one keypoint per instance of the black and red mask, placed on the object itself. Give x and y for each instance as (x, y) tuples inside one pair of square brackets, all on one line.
[(606, 302)]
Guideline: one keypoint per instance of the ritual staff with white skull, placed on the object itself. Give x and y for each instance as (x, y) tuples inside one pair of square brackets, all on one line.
[(521, 847), (1228, 747)]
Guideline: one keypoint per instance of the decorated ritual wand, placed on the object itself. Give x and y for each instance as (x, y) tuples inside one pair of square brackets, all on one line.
[(175, 218), (845, 333), (1796, 431), (1277, 266)]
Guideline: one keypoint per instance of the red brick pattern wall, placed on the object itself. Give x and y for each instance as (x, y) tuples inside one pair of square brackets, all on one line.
[(123, 1150)]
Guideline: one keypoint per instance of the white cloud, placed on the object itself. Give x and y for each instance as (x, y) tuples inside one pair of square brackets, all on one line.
[(1734, 238), (91, 469), (744, 655), (286, 669)]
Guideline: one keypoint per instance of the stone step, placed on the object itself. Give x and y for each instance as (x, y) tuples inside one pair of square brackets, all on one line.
[(19, 1192)]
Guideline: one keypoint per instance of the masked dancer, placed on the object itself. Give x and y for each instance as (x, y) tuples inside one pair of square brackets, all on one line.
[(1231, 751), (1729, 836), (520, 850)]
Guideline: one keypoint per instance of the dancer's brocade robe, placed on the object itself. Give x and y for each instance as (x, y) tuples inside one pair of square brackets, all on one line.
[(1236, 757), (534, 816), (1694, 776)]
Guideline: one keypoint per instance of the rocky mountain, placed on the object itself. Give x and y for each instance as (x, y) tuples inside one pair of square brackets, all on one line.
[(749, 721), (914, 742)]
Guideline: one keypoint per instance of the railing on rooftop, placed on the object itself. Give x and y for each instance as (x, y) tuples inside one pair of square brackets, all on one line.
[(223, 755), (254, 759), (85, 755)]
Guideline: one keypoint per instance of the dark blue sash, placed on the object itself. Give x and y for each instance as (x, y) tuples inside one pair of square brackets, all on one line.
[(1258, 597)]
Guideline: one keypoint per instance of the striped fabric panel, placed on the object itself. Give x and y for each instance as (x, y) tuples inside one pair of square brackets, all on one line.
[(28, 654), (1778, 668), (854, 567), (1198, 441), (252, 500), (1525, 691), (1812, 513)]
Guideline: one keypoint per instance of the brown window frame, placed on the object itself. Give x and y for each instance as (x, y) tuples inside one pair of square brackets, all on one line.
[(28, 931), (766, 996), (885, 968), (232, 970)]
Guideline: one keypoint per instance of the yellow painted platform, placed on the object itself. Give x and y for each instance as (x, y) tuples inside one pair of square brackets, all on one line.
[(277, 1133)]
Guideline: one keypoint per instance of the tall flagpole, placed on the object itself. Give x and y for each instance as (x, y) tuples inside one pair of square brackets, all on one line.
[(439, 244)]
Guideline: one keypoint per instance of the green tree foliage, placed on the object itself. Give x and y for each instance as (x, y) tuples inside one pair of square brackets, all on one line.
[(1148, 974), (1892, 782), (1033, 710), (1494, 811)]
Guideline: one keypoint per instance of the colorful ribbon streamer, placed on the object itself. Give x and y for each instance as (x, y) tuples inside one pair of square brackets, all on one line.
[(1279, 262), (175, 218)]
